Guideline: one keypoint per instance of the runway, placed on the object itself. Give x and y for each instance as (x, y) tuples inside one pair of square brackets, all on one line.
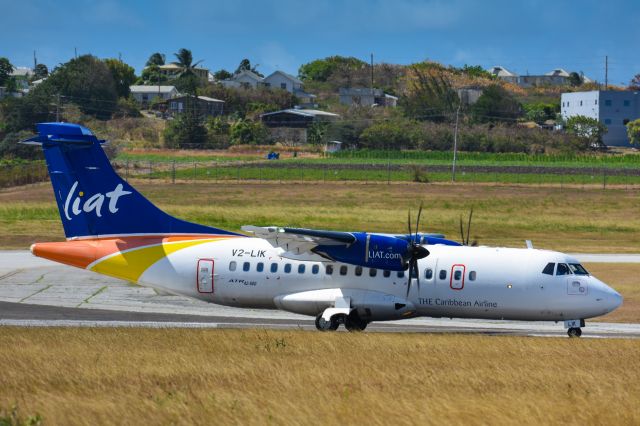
[(35, 292)]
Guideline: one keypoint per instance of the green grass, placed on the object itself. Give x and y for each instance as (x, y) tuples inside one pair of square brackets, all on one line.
[(182, 157)]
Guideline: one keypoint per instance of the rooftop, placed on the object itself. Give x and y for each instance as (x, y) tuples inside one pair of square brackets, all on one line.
[(152, 89)]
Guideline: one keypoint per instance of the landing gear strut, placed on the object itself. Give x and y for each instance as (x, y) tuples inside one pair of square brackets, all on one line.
[(574, 332)]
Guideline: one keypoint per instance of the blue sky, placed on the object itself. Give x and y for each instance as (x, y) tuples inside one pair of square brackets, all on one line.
[(526, 36)]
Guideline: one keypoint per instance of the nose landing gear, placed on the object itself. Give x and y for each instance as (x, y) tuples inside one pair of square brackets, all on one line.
[(574, 332), (573, 327)]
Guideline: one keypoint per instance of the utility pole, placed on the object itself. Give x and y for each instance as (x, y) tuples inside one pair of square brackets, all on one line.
[(75, 52), (58, 108), (606, 73), (35, 61), (372, 73), (455, 145)]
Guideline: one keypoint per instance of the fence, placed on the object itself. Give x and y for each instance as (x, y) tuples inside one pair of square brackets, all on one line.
[(326, 171)]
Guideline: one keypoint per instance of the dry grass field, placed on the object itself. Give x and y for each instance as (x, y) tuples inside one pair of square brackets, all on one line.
[(573, 220), (146, 376)]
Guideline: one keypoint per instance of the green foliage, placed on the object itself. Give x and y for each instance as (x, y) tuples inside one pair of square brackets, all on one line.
[(40, 71), (87, 82), (156, 59), (24, 112), (392, 134), (11, 149), (186, 131), (222, 74), (245, 65), (633, 130), (123, 75), (496, 104), (151, 75), (242, 103), (13, 418), (323, 69), (248, 132), (587, 129), (5, 70), (317, 132), (540, 111), (477, 71), (187, 81), (575, 79), (127, 107), (431, 97)]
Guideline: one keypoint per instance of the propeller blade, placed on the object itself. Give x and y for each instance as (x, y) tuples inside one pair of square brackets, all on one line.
[(469, 226), (417, 274), (418, 222), (409, 223), (461, 231)]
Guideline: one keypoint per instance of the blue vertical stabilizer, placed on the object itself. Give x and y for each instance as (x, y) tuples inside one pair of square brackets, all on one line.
[(92, 199)]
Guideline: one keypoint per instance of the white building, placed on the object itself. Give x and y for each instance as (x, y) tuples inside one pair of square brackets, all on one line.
[(245, 78), (612, 108), (144, 95), (364, 96)]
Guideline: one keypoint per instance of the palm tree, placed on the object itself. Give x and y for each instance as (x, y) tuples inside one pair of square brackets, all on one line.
[(187, 67), (156, 59)]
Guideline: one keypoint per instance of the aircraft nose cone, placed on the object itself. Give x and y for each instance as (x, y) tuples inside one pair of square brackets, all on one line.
[(614, 300)]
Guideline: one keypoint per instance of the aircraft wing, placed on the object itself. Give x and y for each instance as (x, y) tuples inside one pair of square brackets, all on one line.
[(300, 241)]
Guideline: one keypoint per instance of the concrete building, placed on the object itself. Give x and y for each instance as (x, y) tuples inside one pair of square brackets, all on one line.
[(612, 108), (364, 96), (555, 77), (245, 78), (145, 95), (504, 74), (469, 95)]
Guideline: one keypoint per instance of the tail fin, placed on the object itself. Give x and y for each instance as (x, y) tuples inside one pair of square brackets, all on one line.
[(92, 199)]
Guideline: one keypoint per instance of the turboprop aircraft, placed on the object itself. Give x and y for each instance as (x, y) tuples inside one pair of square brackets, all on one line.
[(340, 278)]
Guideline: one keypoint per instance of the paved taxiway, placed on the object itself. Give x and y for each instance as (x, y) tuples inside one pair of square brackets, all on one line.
[(37, 292)]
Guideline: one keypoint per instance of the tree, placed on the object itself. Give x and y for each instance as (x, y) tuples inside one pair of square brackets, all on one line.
[(635, 83), (188, 79), (323, 69), (245, 65), (123, 75), (85, 81), (575, 79), (222, 74), (5, 70), (633, 130), (317, 132), (590, 130), (540, 111), (244, 131), (156, 59), (186, 131), (429, 94), (40, 71), (496, 104)]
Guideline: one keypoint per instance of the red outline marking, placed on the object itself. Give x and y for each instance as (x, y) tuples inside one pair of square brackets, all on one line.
[(464, 271), (198, 276)]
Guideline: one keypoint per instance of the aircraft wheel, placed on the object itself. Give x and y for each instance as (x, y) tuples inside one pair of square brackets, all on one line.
[(574, 332), (355, 324), (324, 325)]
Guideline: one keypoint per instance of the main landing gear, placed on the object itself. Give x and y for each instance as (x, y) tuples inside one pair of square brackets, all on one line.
[(351, 323)]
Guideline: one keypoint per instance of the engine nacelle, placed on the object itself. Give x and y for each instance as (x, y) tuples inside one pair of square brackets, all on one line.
[(370, 250)]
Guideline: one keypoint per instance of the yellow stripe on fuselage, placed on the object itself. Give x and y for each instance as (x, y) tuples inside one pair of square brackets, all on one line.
[(130, 265)]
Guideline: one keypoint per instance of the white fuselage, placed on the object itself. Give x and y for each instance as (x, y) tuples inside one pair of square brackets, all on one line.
[(464, 282)]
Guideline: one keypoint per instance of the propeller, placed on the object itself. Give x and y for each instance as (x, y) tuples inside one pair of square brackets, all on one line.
[(415, 251), (465, 241)]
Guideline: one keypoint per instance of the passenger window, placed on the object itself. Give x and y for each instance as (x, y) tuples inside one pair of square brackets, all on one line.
[(343, 270), (246, 266), (260, 267), (428, 273), (457, 275), (563, 269), (232, 265), (358, 271), (443, 274), (315, 269), (287, 268), (301, 269), (386, 274), (373, 272), (472, 276), (274, 267), (329, 269), (549, 268), (400, 274)]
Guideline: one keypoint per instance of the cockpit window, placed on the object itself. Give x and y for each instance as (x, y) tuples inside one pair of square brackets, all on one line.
[(549, 268), (563, 269), (578, 269)]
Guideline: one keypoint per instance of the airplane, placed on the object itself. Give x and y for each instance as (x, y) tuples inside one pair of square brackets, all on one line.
[(340, 278)]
